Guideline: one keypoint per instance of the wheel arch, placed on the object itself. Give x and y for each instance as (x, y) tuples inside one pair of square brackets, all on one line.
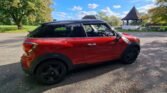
[(134, 45), (130, 46), (51, 56)]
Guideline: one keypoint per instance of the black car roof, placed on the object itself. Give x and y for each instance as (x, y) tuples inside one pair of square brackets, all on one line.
[(84, 21)]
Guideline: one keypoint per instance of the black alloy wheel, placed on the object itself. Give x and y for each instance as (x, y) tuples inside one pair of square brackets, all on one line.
[(130, 55), (51, 72)]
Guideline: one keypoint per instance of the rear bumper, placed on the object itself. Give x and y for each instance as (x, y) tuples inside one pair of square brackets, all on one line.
[(25, 64), (24, 69)]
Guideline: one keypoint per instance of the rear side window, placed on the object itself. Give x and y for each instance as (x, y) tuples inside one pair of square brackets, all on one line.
[(60, 29), (57, 31), (35, 33)]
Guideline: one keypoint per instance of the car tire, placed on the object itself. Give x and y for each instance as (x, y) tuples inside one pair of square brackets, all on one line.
[(130, 55), (51, 72)]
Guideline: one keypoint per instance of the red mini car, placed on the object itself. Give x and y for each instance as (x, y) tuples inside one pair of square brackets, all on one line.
[(55, 48)]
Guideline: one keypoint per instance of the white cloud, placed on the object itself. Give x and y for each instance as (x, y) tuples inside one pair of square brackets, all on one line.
[(73, 16), (77, 8), (93, 6), (109, 12), (61, 14), (116, 6), (153, 1), (145, 8), (136, 1), (124, 13)]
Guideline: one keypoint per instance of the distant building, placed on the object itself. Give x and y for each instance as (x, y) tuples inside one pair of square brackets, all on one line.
[(54, 20), (132, 20), (90, 17)]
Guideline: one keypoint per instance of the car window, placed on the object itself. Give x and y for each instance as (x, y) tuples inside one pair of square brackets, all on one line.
[(60, 29), (50, 31), (88, 28), (36, 32), (101, 28), (97, 30), (77, 30), (57, 31)]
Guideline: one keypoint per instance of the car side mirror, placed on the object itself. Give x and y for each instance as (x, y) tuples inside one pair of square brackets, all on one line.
[(118, 37)]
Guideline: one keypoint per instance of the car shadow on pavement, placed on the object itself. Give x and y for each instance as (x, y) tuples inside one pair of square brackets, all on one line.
[(13, 78)]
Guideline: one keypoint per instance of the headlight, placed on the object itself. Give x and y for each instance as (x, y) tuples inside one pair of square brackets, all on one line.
[(138, 40)]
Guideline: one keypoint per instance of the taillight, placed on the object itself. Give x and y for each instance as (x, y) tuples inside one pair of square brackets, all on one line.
[(29, 47)]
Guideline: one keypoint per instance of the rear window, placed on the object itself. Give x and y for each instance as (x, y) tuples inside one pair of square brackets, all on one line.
[(58, 31)]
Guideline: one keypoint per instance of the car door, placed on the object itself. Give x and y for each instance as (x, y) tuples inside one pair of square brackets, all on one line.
[(79, 44), (99, 47)]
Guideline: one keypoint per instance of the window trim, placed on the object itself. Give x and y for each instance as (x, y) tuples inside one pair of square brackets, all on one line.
[(84, 29)]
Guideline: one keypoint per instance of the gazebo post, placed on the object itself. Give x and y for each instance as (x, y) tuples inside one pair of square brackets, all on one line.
[(127, 22)]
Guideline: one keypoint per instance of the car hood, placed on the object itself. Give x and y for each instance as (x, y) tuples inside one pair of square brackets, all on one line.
[(131, 38)]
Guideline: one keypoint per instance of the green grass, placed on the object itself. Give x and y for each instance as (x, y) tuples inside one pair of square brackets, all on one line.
[(13, 29), (122, 30)]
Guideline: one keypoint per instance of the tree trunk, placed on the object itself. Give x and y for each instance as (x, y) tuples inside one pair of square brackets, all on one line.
[(20, 26), (18, 21)]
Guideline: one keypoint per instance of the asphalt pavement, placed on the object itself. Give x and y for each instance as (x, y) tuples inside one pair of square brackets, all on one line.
[(147, 75)]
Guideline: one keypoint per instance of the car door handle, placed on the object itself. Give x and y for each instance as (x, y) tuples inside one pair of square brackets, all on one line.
[(91, 44), (112, 43)]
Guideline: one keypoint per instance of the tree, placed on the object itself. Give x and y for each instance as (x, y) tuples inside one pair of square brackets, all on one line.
[(5, 20), (159, 13), (112, 20), (19, 10), (145, 18)]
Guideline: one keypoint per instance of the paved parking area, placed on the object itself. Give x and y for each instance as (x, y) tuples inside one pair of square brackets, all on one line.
[(147, 75)]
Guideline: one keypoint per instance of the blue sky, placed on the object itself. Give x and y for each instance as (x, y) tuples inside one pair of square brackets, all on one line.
[(76, 9)]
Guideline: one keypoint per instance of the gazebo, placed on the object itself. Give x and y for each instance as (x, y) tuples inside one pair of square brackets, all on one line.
[(132, 20)]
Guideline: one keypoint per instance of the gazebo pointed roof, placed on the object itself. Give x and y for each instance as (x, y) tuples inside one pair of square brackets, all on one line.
[(132, 15)]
